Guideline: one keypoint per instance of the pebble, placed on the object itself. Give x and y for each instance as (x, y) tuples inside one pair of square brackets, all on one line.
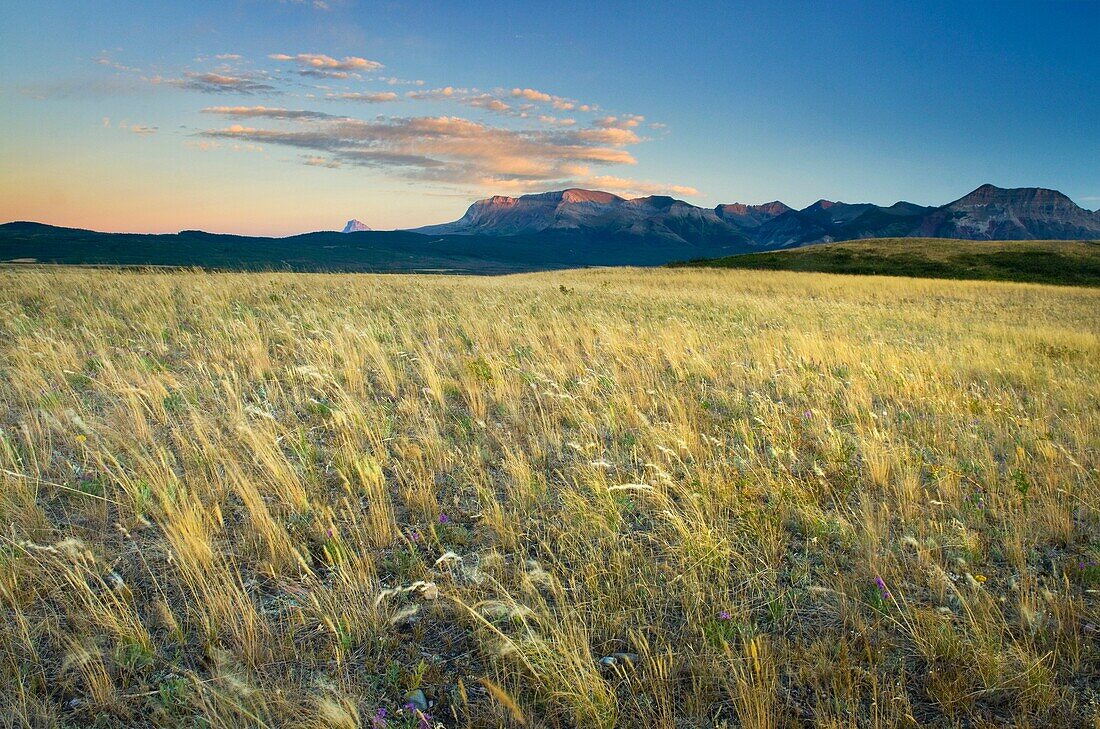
[(417, 699), (616, 658)]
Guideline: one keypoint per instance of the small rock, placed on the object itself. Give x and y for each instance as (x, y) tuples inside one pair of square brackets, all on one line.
[(616, 659), (418, 700)]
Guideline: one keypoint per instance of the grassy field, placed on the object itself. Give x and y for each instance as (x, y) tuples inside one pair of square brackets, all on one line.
[(639, 498), (1072, 263)]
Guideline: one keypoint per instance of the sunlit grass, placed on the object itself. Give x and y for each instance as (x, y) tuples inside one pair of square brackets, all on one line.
[(597, 498)]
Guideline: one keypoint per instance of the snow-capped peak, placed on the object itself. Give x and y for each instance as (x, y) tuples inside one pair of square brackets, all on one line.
[(354, 226)]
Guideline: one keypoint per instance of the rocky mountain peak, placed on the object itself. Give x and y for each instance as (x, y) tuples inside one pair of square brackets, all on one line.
[(355, 226)]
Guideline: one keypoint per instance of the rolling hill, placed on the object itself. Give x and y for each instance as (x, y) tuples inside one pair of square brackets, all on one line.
[(377, 251), (1074, 263)]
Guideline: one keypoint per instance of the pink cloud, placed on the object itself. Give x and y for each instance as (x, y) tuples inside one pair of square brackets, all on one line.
[(443, 148), (318, 64)]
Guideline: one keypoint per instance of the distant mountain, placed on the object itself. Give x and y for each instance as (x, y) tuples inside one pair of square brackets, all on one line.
[(1025, 213), (597, 214), (354, 226), (987, 213), (750, 216), (568, 229)]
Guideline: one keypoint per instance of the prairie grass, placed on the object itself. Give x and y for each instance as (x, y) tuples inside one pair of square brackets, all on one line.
[(650, 498)]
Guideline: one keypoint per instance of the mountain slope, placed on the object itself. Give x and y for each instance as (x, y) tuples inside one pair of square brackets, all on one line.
[(1026, 213)]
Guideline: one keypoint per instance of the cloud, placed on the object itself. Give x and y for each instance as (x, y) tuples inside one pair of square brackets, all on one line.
[(395, 81), (446, 92), (490, 102), (366, 97), (615, 136), (104, 59), (266, 112), (469, 97), (216, 83), (558, 102), (322, 66), (531, 95), (556, 121), (441, 149), (316, 161), (625, 121), (484, 100), (535, 148), (142, 129)]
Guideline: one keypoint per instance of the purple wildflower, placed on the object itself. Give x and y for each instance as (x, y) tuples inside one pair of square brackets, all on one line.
[(378, 721), (443, 518), (808, 414), (881, 585), (414, 535), (425, 719), (723, 614)]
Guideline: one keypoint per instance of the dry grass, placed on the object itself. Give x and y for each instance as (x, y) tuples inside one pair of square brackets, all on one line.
[(783, 499)]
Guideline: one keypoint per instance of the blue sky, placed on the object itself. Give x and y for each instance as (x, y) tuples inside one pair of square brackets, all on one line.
[(274, 117)]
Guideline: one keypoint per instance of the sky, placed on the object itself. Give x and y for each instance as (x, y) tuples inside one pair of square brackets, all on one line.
[(273, 117)]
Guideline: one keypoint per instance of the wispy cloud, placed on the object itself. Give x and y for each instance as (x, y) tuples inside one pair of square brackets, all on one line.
[(444, 148), (266, 112), (312, 160), (366, 97), (218, 83), (489, 102), (530, 147), (557, 121), (626, 121), (446, 92), (558, 102), (105, 59), (322, 66), (395, 81)]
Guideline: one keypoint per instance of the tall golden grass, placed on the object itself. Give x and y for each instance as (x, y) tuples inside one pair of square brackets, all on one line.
[(597, 498)]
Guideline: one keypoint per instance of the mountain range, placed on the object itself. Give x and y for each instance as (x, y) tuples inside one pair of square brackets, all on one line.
[(987, 213), (568, 229)]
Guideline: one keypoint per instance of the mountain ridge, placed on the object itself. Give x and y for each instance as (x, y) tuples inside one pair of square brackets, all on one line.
[(568, 229), (986, 213)]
